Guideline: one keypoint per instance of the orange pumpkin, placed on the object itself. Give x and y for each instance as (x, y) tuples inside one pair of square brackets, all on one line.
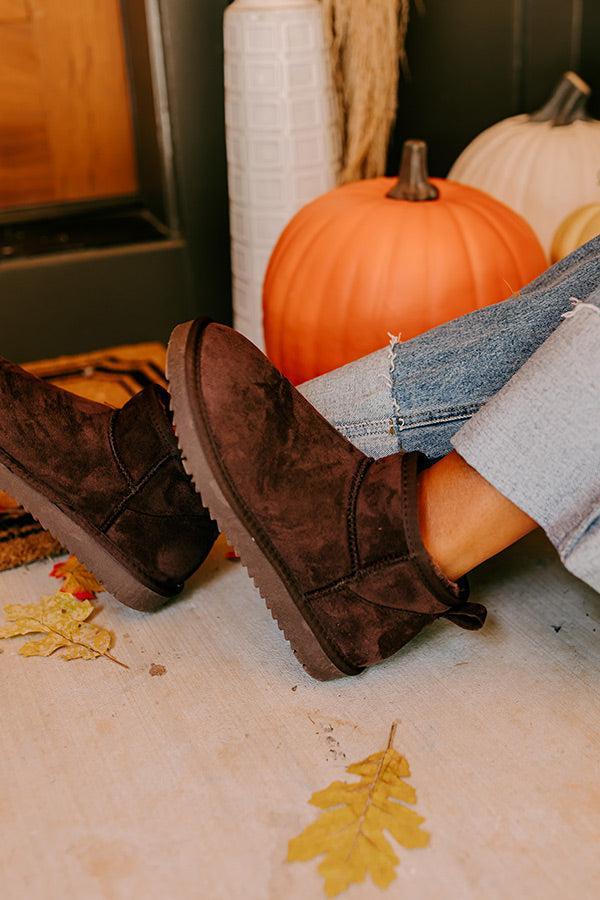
[(376, 256)]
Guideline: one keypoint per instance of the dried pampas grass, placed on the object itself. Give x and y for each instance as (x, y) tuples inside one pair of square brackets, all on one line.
[(366, 40)]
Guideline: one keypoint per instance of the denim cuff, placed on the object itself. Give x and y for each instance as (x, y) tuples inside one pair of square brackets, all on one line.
[(357, 400)]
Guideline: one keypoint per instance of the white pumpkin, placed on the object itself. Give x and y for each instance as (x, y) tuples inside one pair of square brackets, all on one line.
[(543, 165), (576, 230)]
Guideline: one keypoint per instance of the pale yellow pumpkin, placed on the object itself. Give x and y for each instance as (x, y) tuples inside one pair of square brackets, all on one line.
[(577, 229)]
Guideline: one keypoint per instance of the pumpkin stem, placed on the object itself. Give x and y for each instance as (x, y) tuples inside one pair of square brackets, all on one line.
[(413, 182), (566, 103)]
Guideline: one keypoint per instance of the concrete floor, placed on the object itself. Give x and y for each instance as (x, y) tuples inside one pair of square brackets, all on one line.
[(118, 785)]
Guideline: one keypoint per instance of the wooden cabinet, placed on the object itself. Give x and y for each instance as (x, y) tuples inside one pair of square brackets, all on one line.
[(66, 129)]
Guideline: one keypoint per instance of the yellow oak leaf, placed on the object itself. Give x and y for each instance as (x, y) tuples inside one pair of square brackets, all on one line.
[(350, 833), (61, 618), (77, 579)]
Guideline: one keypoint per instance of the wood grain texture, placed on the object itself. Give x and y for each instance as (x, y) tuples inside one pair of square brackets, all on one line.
[(66, 129), (116, 784), (84, 74), (26, 174), (14, 11)]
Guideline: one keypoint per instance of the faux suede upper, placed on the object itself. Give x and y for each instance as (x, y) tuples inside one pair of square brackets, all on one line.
[(341, 526), (119, 472)]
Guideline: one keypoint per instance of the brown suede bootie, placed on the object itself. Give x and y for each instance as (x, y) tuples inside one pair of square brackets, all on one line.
[(330, 536), (107, 483)]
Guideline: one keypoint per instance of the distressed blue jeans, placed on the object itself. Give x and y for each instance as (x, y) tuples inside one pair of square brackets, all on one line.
[(514, 388)]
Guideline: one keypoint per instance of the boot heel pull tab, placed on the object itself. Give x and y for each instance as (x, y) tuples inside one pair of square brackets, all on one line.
[(470, 616)]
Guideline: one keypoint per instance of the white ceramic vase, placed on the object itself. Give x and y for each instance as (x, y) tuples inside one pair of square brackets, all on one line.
[(283, 144)]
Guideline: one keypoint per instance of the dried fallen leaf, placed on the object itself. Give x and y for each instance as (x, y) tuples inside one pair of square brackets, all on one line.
[(78, 581), (61, 618), (351, 832)]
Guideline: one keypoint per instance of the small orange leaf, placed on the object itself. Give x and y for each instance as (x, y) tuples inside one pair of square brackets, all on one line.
[(77, 580)]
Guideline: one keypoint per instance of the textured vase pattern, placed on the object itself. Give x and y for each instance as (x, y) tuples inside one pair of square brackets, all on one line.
[(282, 134)]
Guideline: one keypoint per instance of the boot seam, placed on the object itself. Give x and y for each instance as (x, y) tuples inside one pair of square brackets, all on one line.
[(369, 569), (351, 523), (161, 427), (177, 515), (411, 612), (135, 489), (372, 569), (120, 465)]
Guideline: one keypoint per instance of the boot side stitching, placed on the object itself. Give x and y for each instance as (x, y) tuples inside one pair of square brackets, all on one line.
[(376, 565), (113, 447), (371, 569), (415, 612), (411, 525), (114, 515), (408, 521), (163, 426), (357, 480), (175, 515), (380, 563)]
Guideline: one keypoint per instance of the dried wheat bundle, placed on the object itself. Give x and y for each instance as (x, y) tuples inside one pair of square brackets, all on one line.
[(366, 40)]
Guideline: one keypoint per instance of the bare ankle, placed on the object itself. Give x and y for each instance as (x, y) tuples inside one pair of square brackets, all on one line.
[(463, 519), (444, 544)]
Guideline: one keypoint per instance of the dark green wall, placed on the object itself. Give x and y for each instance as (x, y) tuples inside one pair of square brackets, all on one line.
[(192, 32), (473, 63)]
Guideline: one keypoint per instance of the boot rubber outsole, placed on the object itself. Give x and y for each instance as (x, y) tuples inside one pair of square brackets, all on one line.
[(92, 548), (202, 464)]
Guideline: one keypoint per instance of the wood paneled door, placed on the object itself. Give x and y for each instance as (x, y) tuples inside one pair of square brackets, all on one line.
[(66, 129)]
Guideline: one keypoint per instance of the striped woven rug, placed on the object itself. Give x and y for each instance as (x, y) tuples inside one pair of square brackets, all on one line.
[(110, 376)]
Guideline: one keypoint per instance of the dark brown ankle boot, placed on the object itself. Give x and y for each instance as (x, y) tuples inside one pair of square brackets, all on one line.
[(330, 536), (108, 484)]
